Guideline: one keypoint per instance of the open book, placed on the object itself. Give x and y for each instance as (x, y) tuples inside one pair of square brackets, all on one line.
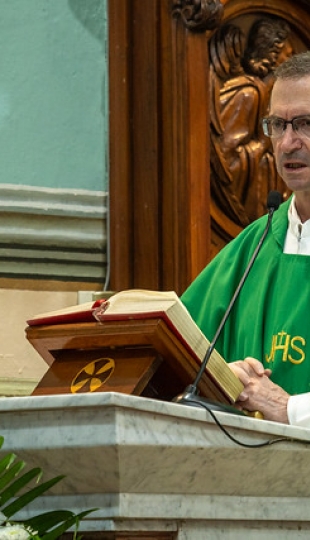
[(143, 305)]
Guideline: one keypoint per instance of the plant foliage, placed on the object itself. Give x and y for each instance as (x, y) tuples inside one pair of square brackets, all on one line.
[(46, 526)]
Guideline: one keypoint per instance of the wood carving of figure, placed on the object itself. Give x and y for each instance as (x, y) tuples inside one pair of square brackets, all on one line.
[(242, 165)]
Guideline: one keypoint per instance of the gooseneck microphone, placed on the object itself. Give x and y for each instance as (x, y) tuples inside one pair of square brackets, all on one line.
[(190, 396)]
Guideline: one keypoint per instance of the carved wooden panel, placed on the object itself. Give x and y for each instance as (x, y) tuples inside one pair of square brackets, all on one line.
[(244, 52)]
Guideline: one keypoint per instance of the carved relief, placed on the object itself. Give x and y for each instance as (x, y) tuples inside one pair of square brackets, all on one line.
[(198, 15), (241, 77), (243, 55)]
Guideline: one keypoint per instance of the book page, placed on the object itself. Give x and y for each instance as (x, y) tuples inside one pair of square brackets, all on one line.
[(139, 301)]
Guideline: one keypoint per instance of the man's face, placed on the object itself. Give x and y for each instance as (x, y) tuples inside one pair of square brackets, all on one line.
[(291, 98)]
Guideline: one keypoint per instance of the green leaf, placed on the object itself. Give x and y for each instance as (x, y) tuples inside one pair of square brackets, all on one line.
[(58, 531), (28, 497), (19, 484), (8, 477), (6, 462), (47, 520), (46, 526), (55, 522)]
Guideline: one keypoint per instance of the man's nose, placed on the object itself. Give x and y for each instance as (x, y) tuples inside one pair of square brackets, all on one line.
[(290, 138)]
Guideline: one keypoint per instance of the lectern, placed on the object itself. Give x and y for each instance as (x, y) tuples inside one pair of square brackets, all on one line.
[(140, 357), (155, 470)]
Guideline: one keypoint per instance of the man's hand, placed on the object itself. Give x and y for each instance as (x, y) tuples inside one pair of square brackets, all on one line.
[(260, 393)]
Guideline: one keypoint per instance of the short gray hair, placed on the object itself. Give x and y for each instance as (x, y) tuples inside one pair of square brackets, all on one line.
[(294, 67)]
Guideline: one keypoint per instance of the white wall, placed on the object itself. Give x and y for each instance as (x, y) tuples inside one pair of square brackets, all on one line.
[(53, 136), (21, 367)]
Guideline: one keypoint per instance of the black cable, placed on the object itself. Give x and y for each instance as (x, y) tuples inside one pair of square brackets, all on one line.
[(269, 442)]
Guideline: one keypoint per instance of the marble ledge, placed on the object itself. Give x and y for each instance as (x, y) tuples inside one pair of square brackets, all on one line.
[(142, 459), (171, 508), (135, 404)]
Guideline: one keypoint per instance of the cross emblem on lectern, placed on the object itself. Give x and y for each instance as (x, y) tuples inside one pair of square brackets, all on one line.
[(92, 376)]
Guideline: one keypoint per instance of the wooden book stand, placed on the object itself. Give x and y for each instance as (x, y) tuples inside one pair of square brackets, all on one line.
[(140, 357)]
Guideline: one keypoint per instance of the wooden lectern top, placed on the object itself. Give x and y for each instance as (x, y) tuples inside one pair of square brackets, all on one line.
[(141, 357)]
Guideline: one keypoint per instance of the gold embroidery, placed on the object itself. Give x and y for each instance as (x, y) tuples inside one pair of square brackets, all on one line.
[(285, 343), (298, 349)]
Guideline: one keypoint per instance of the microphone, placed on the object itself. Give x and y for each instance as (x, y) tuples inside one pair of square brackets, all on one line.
[(190, 396)]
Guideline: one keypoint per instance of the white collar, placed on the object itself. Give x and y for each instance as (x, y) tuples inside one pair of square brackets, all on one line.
[(296, 227)]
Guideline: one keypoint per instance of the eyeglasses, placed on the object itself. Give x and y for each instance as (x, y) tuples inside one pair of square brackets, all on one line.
[(274, 126)]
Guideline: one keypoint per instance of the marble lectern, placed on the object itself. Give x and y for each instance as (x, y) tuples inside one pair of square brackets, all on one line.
[(159, 470)]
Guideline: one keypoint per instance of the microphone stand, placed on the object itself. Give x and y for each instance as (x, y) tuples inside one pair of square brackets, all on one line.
[(190, 396)]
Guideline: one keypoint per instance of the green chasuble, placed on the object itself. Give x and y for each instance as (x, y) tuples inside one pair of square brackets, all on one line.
[(271, 317)]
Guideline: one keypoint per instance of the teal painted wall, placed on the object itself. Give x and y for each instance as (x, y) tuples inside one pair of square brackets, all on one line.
[(54, 93)]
